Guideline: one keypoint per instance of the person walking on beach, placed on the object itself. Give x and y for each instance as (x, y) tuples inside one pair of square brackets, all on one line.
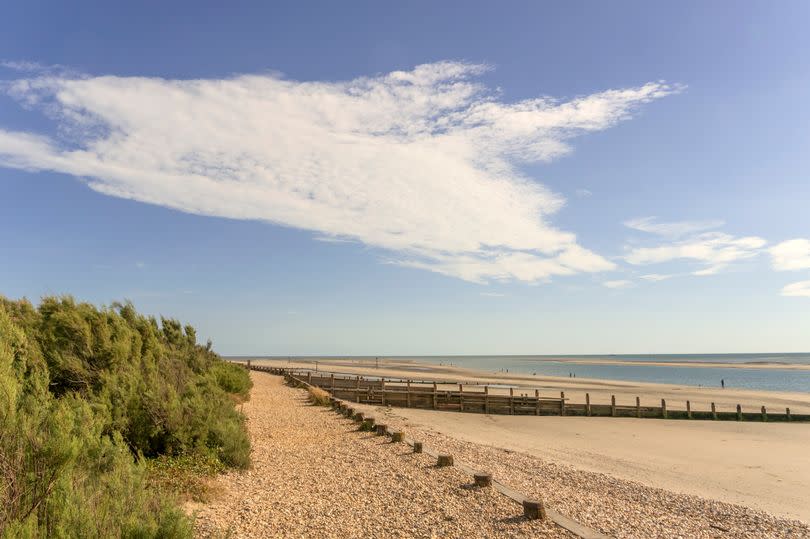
[(723, 383)]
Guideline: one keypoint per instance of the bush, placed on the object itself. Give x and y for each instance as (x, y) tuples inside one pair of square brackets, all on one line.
[(233, 378), (85, 395), (318, 396)]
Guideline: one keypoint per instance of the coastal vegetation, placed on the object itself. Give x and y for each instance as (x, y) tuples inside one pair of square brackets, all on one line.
[(318, 396), (101, 409)]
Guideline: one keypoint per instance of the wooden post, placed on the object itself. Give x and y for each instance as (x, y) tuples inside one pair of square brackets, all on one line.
[(764, 414), (357, 387), (486, 399), (483, 479), (460, 398), (381, 428), (332, 382), (787, 414), (359, 417), (382, 389), (714, 412), (536, 402), (534, 510), (396, 436), (417, 447), (739, 413), (408, 394), (444, 460), (434, 395), (588, 404), (688, 410), (638, 406), (663, 408), (562, 402), (511, 401), (613, 406), (248, 364), (309, 377)]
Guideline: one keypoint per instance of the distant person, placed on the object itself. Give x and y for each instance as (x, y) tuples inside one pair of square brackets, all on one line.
[(722, 383)]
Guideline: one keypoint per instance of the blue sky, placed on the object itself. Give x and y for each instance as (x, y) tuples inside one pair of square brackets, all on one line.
[(459, 178)]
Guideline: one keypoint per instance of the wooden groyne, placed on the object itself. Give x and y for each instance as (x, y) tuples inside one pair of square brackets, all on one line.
[(477, 398)]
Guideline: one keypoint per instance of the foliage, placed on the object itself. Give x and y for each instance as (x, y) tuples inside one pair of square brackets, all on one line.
[(85, 394), (318, 396), (184, 476)]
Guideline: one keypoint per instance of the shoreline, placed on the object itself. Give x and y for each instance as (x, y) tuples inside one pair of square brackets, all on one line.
[(600, 389), (572, 360)]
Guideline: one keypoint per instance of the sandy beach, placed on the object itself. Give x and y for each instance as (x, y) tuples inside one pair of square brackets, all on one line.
[(762, 466), (315, 474)]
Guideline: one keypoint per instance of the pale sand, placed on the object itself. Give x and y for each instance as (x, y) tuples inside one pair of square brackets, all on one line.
[(765, 466), (575, 388)]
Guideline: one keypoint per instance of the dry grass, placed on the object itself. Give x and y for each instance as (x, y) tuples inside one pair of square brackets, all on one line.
[(318, 396)]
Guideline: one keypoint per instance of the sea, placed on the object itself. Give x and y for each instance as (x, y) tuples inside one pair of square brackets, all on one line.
[(775, 377)]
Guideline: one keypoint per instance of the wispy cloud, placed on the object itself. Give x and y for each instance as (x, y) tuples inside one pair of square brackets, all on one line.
[(791, 255), (656, 277), (493, 294), (674, 229), (800, 289), (621, 283), (715, 250), (583, 193), (421, 163)]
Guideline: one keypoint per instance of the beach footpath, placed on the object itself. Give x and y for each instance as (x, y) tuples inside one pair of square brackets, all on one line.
[(315, 474)]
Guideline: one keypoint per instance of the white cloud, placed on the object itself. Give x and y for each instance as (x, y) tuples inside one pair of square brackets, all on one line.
[(421, 163), (583, 193), (674, 229), (791, 255), (492, 294), (656, 277), (715, 249), (800, 289), (621, 283)]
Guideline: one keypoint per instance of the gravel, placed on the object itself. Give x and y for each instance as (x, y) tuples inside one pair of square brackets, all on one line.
[(315, 475), (616, 507)]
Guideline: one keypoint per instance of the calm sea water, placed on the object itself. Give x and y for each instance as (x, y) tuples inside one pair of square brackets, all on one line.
[(773, 378)]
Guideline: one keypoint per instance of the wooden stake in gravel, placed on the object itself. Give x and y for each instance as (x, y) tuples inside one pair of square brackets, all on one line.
[(444, 460), (359, 417), (396, 436), (534, 510), (417, 447), (483, 479), (368, 424), (381, 428)]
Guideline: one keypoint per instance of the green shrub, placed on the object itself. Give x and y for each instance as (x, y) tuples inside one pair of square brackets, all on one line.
[(232, 378), (85, 395)]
